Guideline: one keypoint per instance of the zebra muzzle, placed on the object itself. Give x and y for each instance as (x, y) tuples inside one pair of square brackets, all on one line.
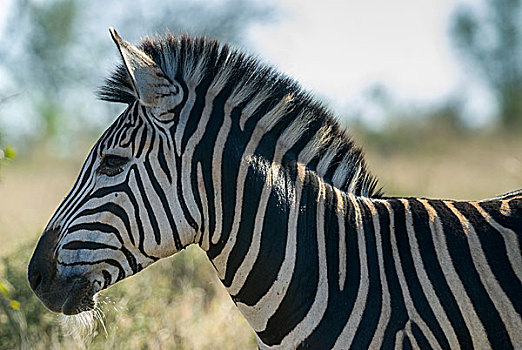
[(69, 295)]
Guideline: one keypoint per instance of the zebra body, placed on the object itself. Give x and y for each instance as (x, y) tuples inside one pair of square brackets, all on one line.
[(217, 150)]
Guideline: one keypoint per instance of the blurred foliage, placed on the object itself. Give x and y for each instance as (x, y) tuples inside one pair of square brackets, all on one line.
[(7, 152), (419, 131), (20, 326), (488, 35), (380, 115), (10, 314), (36, 56), (56, 52), (226, 20)]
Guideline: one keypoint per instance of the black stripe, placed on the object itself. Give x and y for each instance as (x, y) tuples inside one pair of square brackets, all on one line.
[(99, 193), (181, 197), (107, 277), (335, 316), (420, 338), (272, 247), (114, 209), (252, 195), (73, 196), (164, 203), (148, 207), (195, 115), (101, 227), (301, 291), (131, 259), (139, 223), (162, 161), (373, 306), (95, 226), (232, 155), (88, 245), (142, 141)]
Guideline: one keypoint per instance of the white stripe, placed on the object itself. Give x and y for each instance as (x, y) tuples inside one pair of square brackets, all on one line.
[(183, 116), (205, 242), (259, 314), (217, 163), (186, 161), (259, 131), (345, 339), (341, 217), (384, 317), (425, 283)]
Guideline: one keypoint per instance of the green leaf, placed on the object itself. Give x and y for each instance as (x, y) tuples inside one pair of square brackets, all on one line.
[(9, 152), (15, 305), (3, 290)]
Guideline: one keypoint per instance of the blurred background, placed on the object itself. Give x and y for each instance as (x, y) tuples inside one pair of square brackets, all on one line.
[(432, 90)]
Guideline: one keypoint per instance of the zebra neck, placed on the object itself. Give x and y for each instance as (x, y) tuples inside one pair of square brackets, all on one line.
[(271, 254), (232, 142)]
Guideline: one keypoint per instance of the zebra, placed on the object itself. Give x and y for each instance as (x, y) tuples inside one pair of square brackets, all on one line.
[(217, 149)]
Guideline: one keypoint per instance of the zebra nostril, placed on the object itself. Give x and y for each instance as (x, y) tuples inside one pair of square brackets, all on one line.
[(35, 279), (42, 267)]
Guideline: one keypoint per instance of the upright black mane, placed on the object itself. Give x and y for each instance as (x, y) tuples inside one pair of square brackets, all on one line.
[(187, 59)]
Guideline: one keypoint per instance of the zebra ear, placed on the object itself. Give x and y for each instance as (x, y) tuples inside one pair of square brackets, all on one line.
[(150, 84)]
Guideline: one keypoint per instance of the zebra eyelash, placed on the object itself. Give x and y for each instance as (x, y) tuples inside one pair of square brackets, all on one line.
[(112, 164)]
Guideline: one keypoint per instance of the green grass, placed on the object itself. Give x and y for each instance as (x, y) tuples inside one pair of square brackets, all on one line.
[(179, 302)]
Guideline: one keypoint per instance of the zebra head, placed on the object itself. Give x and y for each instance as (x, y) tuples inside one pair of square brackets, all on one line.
[(124, 211)]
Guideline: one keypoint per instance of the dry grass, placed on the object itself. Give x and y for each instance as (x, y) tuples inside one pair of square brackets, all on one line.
[(30, 189), (447, 165), (179, 303)]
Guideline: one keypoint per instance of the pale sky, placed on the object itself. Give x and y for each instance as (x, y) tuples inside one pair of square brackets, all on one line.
[(339, 48)]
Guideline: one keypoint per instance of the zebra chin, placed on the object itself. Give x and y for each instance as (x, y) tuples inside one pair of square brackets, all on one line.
[(69, 297)]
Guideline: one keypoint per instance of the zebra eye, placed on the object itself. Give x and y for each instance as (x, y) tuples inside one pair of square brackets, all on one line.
[(111, 164)]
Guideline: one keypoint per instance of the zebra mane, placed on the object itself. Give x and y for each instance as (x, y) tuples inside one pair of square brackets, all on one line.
[(266, 96)]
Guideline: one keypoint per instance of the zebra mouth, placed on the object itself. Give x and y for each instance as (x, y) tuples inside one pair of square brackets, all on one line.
[(81, 297), (68, 297)]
